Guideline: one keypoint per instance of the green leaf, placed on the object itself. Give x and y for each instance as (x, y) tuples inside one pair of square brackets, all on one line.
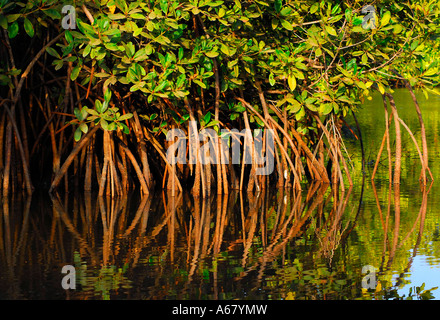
[(52, 13), (12, 17), (364, 59), (163, 40), (104, 124), (286, 11), (207, 117), (113, 33), (385, 19), (331, 31), (221, 12), (215, 3), (431, 72), (286, 24), (104, 106), (77, 135), (271, 79), (13, 30), (28, 27), (212, 54), (68, 35), (314, 7), (4, 79), (140, 55), (125, 129), (98, 106), (129, 49), (86, 51), (92, 112), (278, 5), (164, 6), (335, 9), (397, 28), (292, 82), (200, 83), (117, 16), (300, 114), (381, 88), (75, 73), (137, 16), (357, 21), (78, 114), (53, 52), (107, 95), (83, 127), (111, 46), (161, 86), (122, 5), (224, 49), (3, 22), (125, 117), (326, 108), (84, 112), (294, 107)]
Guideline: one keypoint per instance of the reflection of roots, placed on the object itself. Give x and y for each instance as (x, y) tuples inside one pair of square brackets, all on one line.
[(213, 225), (188, 234), (330, 242), (330, 233), (423, 153)]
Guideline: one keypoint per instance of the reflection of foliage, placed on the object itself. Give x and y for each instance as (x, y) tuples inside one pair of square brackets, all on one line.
[(102, 282), (418, 293), (319, 283)]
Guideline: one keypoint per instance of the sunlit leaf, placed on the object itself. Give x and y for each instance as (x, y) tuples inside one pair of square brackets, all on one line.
[(292, 82), (385, 19), (28, 27)]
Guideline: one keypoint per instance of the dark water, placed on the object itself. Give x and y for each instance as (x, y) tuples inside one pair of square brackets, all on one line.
[(279, 244)]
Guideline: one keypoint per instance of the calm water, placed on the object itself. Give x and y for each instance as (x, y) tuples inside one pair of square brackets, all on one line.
[(280, 244)]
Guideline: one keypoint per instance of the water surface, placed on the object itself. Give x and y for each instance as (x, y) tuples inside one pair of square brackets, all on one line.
[(279, 244)]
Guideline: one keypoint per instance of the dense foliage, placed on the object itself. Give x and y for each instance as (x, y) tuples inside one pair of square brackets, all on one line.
[(137, 69)]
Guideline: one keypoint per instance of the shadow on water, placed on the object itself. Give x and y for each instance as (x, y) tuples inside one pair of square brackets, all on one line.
[(285, 244)]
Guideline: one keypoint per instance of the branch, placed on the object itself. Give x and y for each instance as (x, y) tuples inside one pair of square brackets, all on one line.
[(30, 66), (88, 14), (62, 171)]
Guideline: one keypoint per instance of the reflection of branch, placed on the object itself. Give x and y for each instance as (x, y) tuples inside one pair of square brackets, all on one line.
[(345, 236), (331, 241), (421, 216), (143, 207), (396, 224), (24, 228), (273, 250), (58, 208)]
